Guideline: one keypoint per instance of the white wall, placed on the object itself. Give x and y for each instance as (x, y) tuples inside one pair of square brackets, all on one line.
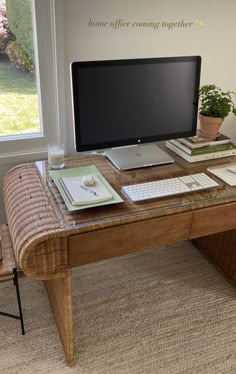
[(214, 40)]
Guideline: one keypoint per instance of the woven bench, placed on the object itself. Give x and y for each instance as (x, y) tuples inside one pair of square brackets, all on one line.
[(8, 270)]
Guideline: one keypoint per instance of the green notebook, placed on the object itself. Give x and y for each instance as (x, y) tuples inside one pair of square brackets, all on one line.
[(79, 196)]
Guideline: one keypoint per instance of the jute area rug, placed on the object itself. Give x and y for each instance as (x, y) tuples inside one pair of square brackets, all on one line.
[(163, 311)]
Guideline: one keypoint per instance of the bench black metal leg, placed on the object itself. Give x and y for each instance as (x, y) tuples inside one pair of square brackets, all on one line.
[(20, 317), (18, 300)]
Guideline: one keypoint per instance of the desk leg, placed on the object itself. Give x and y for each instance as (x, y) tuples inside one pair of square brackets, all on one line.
[(220, 249), (60, 296)]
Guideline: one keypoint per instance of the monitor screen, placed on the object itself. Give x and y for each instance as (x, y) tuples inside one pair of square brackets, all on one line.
[(135, 101)]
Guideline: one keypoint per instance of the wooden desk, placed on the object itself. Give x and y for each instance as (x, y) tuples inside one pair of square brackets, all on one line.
[(48, 240)]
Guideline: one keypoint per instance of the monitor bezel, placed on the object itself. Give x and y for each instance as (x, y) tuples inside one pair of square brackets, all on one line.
[(80, 147)]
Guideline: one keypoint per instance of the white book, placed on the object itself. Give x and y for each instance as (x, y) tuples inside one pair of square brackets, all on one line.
[(202, 157), (79, 194)]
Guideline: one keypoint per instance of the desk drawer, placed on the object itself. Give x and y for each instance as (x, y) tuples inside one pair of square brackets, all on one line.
[(212, 220), (132, 237)]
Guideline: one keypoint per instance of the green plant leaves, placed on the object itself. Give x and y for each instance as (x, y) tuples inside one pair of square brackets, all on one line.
[(214, 102)]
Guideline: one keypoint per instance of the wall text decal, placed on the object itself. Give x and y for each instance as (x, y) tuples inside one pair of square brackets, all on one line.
[(120, 23)]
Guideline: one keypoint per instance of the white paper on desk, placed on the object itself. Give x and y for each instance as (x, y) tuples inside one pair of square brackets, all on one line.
[(225, 175)]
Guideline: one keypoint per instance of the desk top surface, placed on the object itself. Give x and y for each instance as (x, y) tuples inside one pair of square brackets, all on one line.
[(129, 211)]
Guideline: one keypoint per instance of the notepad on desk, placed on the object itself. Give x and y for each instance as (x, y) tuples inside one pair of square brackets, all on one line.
[(79, 194), (80, 172), (226, 173)]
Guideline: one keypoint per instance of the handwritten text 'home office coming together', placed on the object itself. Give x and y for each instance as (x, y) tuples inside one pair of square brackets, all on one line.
[(120, 23)]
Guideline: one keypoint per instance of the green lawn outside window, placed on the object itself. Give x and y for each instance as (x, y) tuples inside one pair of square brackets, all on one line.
[(19, 112)]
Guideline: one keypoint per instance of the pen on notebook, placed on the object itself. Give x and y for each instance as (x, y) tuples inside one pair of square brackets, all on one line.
[(231, 171), (86, 188)]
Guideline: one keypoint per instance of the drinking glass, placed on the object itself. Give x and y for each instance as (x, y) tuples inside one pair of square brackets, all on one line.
[(56, 156)]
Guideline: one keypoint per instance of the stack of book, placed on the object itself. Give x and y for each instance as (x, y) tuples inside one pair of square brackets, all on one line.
[(196, 149)]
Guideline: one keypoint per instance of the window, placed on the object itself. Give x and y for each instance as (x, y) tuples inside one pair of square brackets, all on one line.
[(45, 14), (18, 94)]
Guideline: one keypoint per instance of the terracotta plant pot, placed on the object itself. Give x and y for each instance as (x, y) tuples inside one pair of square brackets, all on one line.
[(210, 126)]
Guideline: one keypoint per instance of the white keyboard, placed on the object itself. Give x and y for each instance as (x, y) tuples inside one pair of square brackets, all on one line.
[(168, 187)]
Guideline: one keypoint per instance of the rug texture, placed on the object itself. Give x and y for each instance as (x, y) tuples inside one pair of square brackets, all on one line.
[(163, 311)]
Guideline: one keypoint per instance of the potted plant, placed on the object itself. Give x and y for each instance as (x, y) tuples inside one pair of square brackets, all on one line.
[(215, 105)]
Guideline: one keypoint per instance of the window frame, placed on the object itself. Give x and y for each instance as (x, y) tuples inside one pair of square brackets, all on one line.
[(47, 16)]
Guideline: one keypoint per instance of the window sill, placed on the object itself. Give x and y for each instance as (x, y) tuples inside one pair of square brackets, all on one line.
[(25, 156)]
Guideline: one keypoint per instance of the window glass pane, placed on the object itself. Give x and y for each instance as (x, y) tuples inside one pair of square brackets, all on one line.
[(19, 108), (47, 18)]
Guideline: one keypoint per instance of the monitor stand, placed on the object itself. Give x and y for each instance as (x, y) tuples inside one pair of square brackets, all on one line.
[(138, 156)]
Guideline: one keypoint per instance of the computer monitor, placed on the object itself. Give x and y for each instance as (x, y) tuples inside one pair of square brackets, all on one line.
[(133, 103)]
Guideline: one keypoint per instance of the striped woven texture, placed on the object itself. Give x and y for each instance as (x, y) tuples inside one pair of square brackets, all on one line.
[(7, 262), (163, 311)]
